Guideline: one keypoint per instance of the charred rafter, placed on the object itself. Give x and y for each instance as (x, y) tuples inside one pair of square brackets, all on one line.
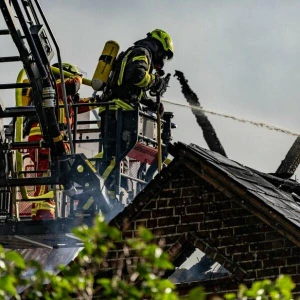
[(291, 161), (209, 132)]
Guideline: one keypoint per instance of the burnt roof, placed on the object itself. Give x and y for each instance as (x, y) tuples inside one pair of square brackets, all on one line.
[(258, 193), (280, 201), (278, 208)]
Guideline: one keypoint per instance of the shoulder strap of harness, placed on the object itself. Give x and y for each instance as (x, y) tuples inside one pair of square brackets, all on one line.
[(124, 61)]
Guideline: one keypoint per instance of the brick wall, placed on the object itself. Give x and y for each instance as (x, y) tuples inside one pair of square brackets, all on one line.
[(190, 211)]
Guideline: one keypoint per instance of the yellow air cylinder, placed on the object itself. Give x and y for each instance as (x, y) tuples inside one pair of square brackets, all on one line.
[(105, 63)]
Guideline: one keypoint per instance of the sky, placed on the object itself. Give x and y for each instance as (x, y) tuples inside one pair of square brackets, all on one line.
[(240, 58)]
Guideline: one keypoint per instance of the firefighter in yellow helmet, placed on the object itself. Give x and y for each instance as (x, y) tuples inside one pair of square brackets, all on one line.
[(135, 70), (138, 70), (45, 210)]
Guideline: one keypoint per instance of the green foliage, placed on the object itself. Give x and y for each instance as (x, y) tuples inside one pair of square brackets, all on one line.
[(265, 289), (133, 270), (137, 275), (197, 294)]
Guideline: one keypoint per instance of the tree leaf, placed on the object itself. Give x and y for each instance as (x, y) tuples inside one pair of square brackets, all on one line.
[(197, 294), (16, 258)]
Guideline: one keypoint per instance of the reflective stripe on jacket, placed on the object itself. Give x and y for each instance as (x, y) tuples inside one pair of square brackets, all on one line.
[(35, 130), (133, 76), (115, 105), (45, 205)]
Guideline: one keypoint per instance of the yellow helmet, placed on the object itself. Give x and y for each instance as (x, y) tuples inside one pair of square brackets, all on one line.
[(165, 41), (69, 68)]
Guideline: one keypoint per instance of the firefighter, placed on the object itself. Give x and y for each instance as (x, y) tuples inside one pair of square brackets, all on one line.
[(45, 210), (137, 71), (133, 74)]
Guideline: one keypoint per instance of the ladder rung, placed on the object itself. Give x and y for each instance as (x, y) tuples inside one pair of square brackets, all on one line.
[(14, 85), (11, 112), (4, 32), (9, 59)]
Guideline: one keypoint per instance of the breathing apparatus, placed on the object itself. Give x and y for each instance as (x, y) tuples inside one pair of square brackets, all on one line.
[(104, 66)]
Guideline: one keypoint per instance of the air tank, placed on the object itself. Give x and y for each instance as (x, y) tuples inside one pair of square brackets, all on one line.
[(104, 66)]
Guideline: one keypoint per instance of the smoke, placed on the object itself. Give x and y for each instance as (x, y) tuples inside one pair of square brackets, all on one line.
[(242, 120)]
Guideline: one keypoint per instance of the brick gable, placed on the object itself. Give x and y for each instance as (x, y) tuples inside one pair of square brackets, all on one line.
[(186, 208)]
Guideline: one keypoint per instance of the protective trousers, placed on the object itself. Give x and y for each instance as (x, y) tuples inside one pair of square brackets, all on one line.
[(108, 132)]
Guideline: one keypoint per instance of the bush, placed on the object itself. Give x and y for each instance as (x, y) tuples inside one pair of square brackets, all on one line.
[(137, 276)]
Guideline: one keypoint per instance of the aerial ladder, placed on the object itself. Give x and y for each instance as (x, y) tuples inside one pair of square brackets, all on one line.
[(35, 51), (135, 138)]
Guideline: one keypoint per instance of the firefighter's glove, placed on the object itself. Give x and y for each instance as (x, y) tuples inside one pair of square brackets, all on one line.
[(159, 85), (76, 98)]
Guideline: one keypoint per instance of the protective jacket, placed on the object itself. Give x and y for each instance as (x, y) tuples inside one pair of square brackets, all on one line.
[(40, 157), (72, 85), (132, 77)]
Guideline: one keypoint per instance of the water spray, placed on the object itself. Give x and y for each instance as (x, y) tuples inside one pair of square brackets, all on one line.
[(242, 120)]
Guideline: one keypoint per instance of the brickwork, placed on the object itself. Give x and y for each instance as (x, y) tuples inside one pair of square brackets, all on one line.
[(188, 210)]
